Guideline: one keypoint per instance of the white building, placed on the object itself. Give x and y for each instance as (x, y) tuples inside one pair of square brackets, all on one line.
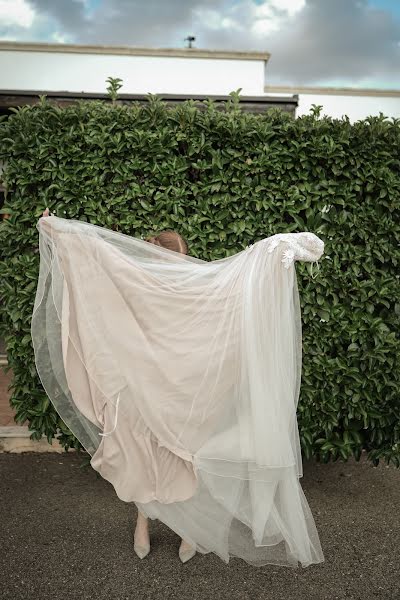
[(73, 68), (179, 72), (356, 103), (65, 72)]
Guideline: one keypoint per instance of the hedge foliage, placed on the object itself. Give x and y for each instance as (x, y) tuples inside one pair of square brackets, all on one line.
[(225, 179)]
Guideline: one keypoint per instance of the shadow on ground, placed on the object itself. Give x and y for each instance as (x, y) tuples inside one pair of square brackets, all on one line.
[(65, 535)]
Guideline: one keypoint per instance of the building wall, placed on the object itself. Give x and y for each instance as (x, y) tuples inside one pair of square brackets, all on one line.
[(76, 69), (87, 72), (357, 104)]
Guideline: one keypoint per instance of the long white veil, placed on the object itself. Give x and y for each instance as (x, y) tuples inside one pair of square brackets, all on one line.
[(181, 378)]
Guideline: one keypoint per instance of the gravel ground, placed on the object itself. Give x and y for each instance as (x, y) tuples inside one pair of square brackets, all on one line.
[(65, 535)]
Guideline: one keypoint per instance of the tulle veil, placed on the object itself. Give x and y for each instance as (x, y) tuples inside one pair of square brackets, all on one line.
[(181, 377)]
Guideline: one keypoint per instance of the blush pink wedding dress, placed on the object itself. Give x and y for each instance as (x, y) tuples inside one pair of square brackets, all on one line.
[(181, 378)]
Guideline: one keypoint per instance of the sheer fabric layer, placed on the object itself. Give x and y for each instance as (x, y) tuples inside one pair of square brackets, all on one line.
[(181, 379)]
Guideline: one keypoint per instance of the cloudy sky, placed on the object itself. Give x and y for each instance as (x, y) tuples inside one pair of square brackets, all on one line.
[(312, 42)]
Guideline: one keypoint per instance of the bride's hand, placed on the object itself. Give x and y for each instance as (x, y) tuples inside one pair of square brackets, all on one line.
[(46, 224)]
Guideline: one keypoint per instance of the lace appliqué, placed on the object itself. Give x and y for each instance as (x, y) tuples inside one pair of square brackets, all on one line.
[(304, 246)]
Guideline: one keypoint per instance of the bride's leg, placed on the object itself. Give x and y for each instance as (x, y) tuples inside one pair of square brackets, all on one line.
[(186, 551), (142, 540), (141, 536)]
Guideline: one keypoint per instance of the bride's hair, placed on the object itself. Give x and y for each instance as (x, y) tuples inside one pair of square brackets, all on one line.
[(169, 239)]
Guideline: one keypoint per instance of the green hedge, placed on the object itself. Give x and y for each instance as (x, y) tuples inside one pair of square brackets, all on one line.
[(225, 179)]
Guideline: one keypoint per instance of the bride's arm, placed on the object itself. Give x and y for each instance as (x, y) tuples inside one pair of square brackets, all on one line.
[(45, 221), (304, 246)]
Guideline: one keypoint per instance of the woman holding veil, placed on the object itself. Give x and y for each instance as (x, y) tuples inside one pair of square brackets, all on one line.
[(181, 378)]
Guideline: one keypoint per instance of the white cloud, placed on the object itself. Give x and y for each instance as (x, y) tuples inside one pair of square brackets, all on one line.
[(211, 19), (264, 19), (291, 7), (60, 38), (256, 20), (16, 12), (312, 41), (228, 23), (265, 26)]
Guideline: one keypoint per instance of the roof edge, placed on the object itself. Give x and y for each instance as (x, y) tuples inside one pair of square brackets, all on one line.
[(126, 96), (332, 91), (134, 51)]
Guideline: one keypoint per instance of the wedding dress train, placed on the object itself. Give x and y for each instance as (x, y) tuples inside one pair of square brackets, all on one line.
[(181, 378)]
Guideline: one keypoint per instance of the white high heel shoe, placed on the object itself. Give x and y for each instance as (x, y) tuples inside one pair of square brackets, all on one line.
[(187, 553), (141, 549)]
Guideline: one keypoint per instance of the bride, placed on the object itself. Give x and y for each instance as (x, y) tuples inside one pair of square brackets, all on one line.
[(181, 378)]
